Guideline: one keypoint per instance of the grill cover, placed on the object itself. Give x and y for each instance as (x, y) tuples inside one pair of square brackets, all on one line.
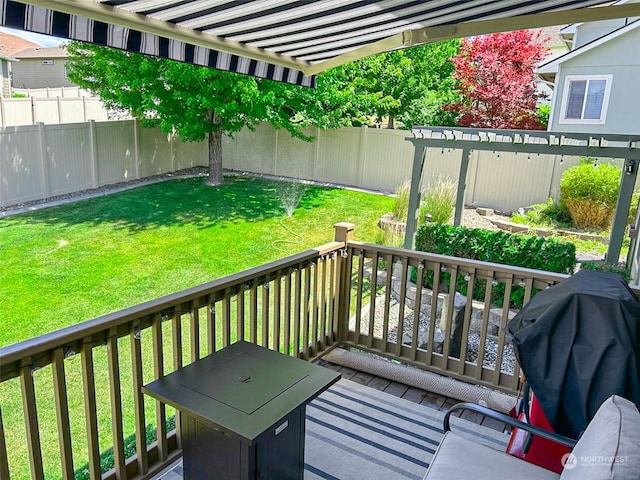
[(578, 342)]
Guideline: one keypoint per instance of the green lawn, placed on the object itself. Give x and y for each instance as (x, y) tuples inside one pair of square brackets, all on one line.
[(74, 262)]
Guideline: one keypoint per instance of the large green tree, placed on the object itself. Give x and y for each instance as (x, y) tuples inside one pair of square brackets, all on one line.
[(196, 102), (409, 86)]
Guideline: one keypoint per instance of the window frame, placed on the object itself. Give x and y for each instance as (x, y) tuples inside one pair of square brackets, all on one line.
[(605, 101)]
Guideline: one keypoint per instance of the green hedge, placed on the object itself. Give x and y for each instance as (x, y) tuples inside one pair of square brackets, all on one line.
[(527, 251), (607, 267)]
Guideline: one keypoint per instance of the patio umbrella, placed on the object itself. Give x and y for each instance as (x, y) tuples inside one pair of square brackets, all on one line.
[(285, 40), (578, 343)]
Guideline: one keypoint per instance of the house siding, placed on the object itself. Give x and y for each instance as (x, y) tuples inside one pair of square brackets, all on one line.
[(588, 32), (620, 58), (4, 79), (31, 73)]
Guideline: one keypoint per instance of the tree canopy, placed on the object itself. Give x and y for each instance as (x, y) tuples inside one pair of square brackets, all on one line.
[(495, 74), (409, 86)]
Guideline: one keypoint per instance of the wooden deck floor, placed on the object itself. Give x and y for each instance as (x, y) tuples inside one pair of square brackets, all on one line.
[(430, 399)]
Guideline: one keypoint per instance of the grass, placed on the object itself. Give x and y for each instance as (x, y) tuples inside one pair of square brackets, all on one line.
[(74, 262)]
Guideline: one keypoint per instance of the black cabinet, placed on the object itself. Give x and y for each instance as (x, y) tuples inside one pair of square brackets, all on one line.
[(243, 412)]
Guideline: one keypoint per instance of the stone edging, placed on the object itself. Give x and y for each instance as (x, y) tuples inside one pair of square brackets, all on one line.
[(545, 232)]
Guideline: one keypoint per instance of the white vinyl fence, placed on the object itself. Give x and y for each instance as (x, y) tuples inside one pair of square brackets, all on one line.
[(50, 110), (50, 92), (41, 161)]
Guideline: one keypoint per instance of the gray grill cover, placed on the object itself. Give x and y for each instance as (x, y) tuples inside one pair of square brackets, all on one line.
[(578, 342)]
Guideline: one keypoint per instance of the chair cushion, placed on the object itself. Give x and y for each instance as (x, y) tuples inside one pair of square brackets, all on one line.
[(610, 446), (459, 457)]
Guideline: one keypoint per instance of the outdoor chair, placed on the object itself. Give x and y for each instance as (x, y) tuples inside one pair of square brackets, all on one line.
[(609, 448)]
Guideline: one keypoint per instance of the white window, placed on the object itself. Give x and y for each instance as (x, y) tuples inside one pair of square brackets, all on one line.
[(585, 99)]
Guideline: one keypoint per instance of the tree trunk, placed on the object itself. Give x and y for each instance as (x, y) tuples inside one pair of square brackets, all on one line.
[(215, 152), (390, 122)]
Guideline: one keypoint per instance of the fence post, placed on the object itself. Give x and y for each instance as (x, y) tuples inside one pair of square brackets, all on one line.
[(136, 148), (361, 155), (316, 155), (42, 142), (275, 151), (59, 104), (34, 119), (3, 118), (93, 148), (343, 233), (462, 185), (172, 150)]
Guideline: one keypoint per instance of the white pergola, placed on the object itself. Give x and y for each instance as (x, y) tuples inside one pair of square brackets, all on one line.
[(526, 141)]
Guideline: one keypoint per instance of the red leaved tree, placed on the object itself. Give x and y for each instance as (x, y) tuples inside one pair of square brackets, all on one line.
[(495, 76)]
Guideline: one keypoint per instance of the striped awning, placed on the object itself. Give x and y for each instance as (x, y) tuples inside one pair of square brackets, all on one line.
[(288, 40)]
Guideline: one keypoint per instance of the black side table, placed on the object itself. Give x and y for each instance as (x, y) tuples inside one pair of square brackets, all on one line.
[(243, 412)]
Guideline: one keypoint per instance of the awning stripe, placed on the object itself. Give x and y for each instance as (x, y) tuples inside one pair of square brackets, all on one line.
[(62, 25)]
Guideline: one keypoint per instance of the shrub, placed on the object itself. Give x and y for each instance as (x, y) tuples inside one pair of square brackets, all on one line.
[(439, 201), (607, 267), (587, 214), (543, 113), (543, 214), (390, 238), (401, 203), (590, 192), (501, 247)]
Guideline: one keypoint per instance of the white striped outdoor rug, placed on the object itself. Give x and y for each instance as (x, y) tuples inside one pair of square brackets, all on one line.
[(356, 432)]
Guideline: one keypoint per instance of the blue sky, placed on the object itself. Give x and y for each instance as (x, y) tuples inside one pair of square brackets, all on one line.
[(44, 40)]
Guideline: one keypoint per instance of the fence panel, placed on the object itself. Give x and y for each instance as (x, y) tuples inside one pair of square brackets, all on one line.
[(338, 155), (71, 110), (512, 180), (16, 111), (156, 152), (21, 168), (386, 159), (46, 110), (255, 151), (116, 152), (443, 164), (190, 154), (68, 157), (295, 157)]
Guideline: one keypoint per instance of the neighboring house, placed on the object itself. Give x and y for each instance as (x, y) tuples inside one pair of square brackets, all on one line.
[(596, 83), (40, 68), (5, 77)]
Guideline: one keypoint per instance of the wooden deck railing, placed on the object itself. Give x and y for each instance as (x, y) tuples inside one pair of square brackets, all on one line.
[(440, 341), (344, 293), (289, 305)]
